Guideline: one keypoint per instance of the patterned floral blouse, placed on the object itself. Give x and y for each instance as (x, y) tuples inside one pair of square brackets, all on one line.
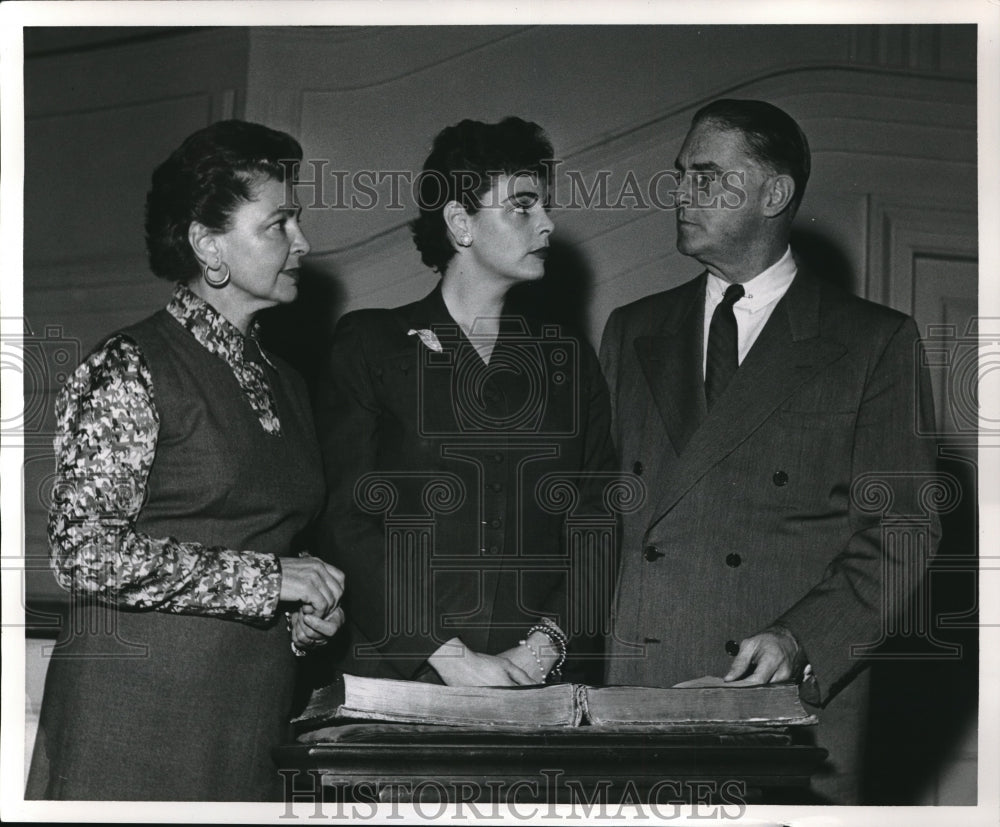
[(107, 426)]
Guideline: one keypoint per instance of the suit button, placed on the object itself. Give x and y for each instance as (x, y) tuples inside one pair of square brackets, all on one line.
[(498, 457), (496, 486), (494, 549), (652, 553), (637, 468), (732, 647), (733, 560), (780, 478), (496, 523)]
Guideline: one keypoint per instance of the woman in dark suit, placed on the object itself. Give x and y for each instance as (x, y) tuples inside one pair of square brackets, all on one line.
[(460, 439), (188, 477)]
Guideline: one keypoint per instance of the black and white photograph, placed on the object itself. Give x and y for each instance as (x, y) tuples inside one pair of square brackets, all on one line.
[(500, 413)]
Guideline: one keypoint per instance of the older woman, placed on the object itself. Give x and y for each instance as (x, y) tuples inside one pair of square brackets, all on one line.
[(187, 480), (444, 425)]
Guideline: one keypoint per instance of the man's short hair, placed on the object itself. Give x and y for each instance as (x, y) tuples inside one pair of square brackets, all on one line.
[(772, 137)]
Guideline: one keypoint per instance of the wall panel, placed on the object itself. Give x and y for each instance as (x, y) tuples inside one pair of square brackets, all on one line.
[(97, 121)]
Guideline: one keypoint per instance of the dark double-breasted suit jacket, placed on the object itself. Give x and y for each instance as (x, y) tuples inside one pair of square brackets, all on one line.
[(453, 484), (750, 516)]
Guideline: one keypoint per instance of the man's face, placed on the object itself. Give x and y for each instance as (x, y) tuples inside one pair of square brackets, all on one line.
[(719, 207)]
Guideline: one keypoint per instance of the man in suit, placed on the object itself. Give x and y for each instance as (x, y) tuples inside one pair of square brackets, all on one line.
[(750, 400)]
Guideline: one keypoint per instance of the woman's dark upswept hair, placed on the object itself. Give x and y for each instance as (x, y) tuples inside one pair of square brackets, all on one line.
[(206, 179), (462, 166), (771, 136)]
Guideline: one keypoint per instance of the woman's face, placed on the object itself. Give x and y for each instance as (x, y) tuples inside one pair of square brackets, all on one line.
[(263, 246), (510, 232)]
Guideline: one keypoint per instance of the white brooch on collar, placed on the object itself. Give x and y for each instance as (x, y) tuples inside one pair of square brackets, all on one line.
[(427, 337)]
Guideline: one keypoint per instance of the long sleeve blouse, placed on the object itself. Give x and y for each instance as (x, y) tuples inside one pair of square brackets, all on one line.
[(105, 443)]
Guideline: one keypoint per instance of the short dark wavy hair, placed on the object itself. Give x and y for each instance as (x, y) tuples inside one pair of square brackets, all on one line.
[(462, 166), (771, 136), (205, 179)]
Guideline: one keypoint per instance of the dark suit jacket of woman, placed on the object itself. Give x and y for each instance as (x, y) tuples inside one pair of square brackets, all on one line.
[(457, 489)]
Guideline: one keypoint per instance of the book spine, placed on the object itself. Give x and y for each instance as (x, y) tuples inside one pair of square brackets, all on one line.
[(580, 709)]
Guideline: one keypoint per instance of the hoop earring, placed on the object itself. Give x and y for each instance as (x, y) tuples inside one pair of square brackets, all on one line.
[(217, 283)]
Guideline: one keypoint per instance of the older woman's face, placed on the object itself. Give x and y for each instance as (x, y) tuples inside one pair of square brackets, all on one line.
[(263, 246), (510, 233)]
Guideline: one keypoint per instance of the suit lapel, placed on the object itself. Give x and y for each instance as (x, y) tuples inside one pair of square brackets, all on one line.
[(422, 377), (671, 362), (428, 313), (788, 352)]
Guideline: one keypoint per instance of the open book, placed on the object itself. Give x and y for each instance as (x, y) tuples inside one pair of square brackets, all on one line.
[(559, 705)]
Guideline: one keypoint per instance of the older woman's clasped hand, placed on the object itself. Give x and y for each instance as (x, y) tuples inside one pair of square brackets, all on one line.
[(316, 587)]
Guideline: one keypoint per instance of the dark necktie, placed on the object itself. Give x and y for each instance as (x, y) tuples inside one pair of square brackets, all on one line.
[(722, 357)]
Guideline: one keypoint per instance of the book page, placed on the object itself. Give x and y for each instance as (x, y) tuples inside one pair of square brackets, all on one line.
[(413, 701)]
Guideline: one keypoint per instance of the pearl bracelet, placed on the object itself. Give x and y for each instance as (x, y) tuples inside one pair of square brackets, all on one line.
[(535, 655), (556, 636)]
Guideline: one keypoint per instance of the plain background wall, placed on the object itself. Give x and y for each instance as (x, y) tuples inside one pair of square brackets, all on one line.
[(890, 211)]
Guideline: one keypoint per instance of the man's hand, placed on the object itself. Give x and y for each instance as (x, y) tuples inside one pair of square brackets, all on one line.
[(771, 656), (460, 666)]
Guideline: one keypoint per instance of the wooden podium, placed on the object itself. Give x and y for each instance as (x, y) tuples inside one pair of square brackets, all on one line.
[(581, 766)]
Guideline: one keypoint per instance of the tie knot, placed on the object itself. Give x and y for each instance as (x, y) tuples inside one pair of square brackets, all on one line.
[(733, 294)]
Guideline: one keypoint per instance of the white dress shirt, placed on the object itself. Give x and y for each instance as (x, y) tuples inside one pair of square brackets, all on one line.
[(763, 292)]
